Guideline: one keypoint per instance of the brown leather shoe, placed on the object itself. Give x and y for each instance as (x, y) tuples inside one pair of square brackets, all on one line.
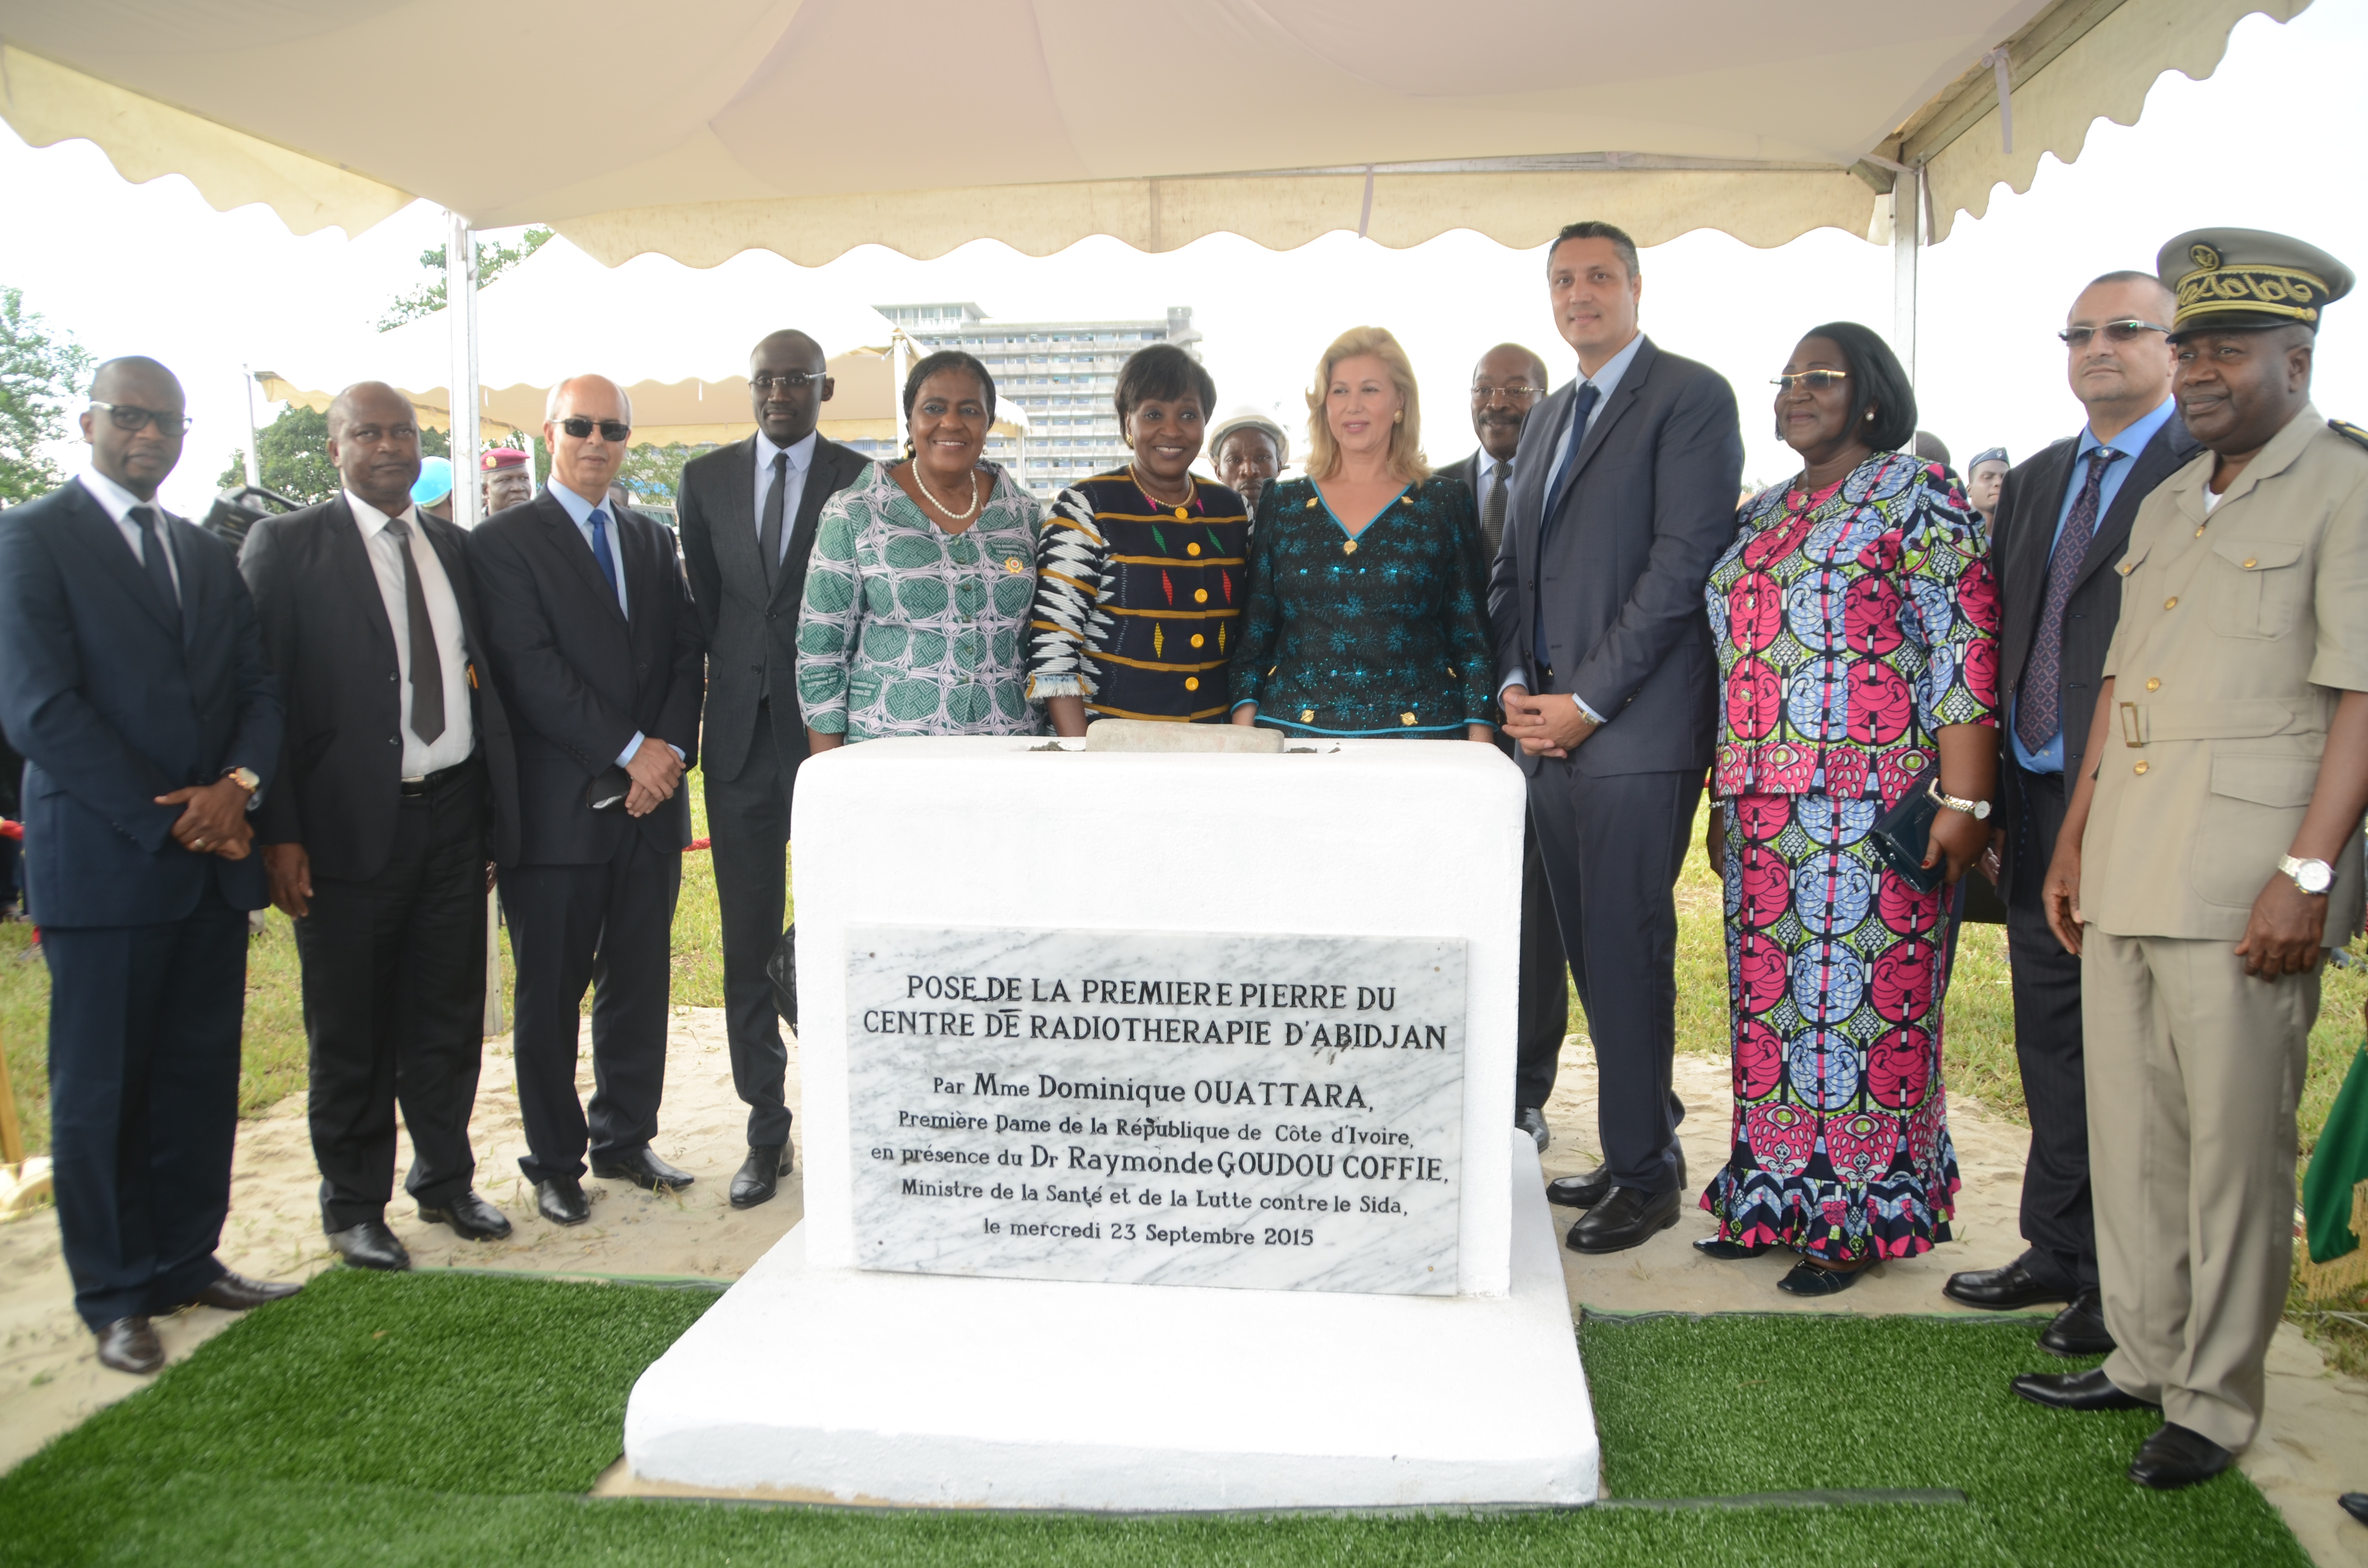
[(236, 1293), (128, 1345)]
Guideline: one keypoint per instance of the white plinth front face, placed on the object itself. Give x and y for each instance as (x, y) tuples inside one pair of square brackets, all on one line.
[(1084, 1034)]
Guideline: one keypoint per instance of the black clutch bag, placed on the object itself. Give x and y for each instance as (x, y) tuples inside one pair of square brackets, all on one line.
[(1902, 835), (608, 789)]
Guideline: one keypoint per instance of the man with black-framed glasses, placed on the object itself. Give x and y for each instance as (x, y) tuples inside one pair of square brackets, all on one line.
[(2062, 523), (134, 682), (748, 513)]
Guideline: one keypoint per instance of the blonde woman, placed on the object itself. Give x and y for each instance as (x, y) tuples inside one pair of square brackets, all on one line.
[(1367, 612)]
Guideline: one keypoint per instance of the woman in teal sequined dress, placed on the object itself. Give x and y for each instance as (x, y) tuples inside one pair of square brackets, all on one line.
[(1367, 612)]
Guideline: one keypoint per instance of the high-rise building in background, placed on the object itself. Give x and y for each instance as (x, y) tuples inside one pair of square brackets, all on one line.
[(1062, 373)]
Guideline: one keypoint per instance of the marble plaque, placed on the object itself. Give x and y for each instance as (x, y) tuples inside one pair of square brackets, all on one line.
[(1266, 1112)]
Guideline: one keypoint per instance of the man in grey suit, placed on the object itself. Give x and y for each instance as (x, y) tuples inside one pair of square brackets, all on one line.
[(1506, 384), (1623, 494), (747, 514)]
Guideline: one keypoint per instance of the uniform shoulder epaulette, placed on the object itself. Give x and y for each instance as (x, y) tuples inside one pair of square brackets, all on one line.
[(2352, 433)]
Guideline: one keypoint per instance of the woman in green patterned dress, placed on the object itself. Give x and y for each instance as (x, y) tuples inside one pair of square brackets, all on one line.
[(915, 609)]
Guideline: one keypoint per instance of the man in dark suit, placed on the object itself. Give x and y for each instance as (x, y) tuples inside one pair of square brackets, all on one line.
[(1623, 495), (2063, 523), (747, 513), (133, 679), (1506, 384), (597, 656), (397, 788)]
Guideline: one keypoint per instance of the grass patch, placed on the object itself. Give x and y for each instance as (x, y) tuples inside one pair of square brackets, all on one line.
[(445, 1418)]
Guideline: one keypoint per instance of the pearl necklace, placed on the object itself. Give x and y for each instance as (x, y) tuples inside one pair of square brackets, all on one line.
[(966, 513)]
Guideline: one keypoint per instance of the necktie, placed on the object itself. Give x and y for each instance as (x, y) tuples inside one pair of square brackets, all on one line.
[(602, 553), (1581, 403), (160, 572), (768, 538), (2039, 701), (1492, 516), (427, 661)]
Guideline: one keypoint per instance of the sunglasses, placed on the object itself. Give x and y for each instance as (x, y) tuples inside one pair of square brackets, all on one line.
[(2114, 331), (127, 417), (610, 430), (1815, 380), (795, 380)]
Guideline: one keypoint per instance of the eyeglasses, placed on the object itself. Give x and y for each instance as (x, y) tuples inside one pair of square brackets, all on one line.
[(129, 417), (1482, 391), (1815, 380), (610, 430), (796, 380), (2114, 331)]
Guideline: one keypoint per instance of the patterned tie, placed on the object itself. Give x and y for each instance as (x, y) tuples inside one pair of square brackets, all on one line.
[(1581, 404), (2039, 701), (601, 552), (160, 571), (427, 661), (769, 538), (1492, 516)]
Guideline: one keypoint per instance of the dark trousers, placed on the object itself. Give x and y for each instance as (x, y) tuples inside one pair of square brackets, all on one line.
[(748, 818), (1611, 848), (2058, 1222), (145, 1025), (1544, 1008), (395, 1008), (607, 927)]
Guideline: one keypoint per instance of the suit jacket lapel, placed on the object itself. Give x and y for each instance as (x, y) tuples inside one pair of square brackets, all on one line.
[(823, 481), (2035, 534), (358, 579), (568, 540), (736, 514), (105, 541)]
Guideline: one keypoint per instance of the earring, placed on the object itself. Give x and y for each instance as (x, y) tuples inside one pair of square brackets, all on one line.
[(1870, 413), (1399, 417)]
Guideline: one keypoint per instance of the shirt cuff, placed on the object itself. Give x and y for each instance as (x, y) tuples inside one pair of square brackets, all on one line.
[(625, 757), (1515, 677), (1592, 716)]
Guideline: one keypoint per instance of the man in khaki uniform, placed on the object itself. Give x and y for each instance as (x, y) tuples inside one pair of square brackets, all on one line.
[(2215, 848)]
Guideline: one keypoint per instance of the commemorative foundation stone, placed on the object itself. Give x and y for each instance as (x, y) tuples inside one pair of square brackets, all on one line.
[(1142, 1190)]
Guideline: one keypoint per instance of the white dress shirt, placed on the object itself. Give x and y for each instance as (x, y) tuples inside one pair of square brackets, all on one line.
[(793, 483), (453, 747), (117, 503)]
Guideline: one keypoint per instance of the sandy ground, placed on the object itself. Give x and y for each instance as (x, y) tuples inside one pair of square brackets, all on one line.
[(2312, 1445)]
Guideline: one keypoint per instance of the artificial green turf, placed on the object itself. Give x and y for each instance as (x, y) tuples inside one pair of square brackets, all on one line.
[(442, 1418)]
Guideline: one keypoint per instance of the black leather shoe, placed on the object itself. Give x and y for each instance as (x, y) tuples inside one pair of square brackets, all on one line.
[(2078, 1329), (371, 1246), (2175, 1457), (2354, 1504), (2077, 1391), (560, 1200), (1533, 1122), (2002, 1290), (1587, 1191), (237, 1293), (472, 1218), (128, 1345), (644, 1169), (1625, 1218), (760, 1176), (1806, 1278), (1725, 1252)]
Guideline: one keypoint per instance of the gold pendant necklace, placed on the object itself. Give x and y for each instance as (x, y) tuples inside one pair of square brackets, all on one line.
[(1182, 508)]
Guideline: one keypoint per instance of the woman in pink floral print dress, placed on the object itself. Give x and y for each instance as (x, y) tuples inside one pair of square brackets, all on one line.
[(1857, 623)]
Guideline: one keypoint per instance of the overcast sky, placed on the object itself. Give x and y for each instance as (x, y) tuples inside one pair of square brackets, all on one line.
[(2272, 140)]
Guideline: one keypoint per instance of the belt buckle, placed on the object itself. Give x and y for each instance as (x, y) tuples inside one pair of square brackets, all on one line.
[(2134, 726)]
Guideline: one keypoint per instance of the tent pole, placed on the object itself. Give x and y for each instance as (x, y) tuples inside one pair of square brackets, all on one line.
[(1906, 241), (253, 458), (460, 312)]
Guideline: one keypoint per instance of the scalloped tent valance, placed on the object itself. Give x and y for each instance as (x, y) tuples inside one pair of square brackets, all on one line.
[(802, 126)]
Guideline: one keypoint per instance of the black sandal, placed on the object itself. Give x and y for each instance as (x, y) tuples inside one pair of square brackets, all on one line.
[(1810, 1280)]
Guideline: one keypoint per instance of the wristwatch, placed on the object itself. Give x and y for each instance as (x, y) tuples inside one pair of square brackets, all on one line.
[(1978, 809), (245, 778), (2314, 876)]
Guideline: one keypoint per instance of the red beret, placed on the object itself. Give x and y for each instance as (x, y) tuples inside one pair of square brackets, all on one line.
[(503, 456)]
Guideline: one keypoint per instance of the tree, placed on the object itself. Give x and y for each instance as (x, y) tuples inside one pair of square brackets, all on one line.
[(42, 372), (492, 260), (655, 473), (295, 449)]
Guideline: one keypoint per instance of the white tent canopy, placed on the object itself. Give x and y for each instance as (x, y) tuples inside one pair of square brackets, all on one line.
[(804, 127), (677, 341)]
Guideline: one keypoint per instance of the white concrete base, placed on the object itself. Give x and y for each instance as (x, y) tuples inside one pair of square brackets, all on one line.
[(919, 1389)]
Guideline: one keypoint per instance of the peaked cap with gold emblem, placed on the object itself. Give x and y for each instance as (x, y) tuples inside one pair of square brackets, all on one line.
[(2245, 280)]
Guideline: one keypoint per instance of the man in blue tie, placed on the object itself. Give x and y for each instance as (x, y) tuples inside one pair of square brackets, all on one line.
[(598, 654), (2062, 524), (1623, 495), (133, 681)]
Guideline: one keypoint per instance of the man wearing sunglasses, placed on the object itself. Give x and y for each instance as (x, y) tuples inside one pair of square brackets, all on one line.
[(748, 514), (597, 655), (2062, 524), (133, 680)]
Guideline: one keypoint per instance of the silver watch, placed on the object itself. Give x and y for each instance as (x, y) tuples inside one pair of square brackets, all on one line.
[(2314, 876), (1978, 809)]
